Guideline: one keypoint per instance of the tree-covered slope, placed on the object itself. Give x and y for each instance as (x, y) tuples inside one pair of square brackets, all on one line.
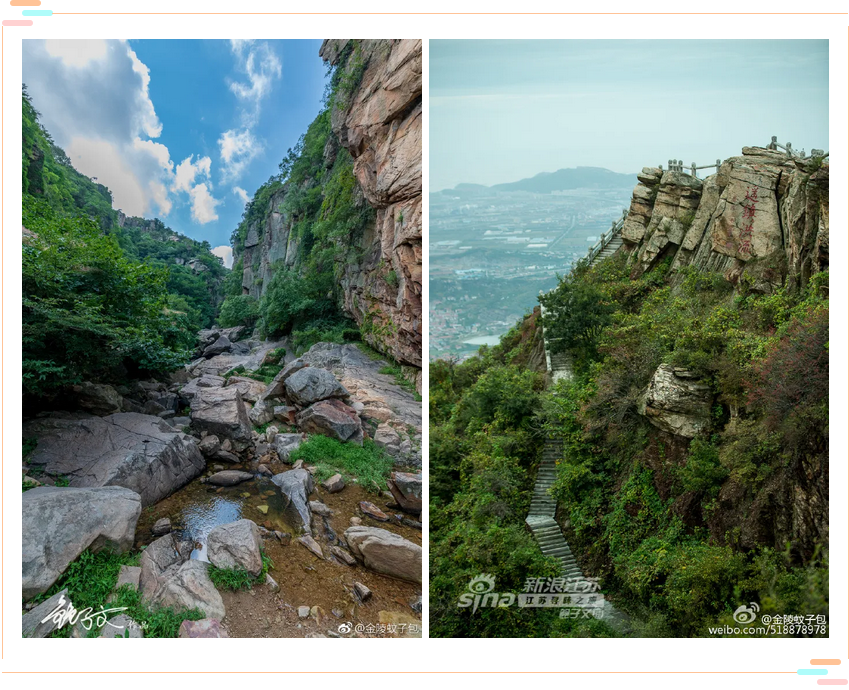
[(104, 296)]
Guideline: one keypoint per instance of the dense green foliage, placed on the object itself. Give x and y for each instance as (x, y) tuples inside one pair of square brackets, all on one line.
[(485, 443), (103, 296), (318, 197), (367, 464), (661, 520)]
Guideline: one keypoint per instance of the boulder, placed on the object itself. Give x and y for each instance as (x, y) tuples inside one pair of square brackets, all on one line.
[(139, 452), (228, 478), (208, 381), (59, 523), (332, 418), (169, 578), (236, 545), (295, 487), (406, 489), (219, 347), (250, 389), (386, 552), (261, 413), (284, 444), (97, 398), (277, 388), (311, 384), (286, 414), (221, 412), (675, 401), (334, 484), (209, 445), (205, 627), (319, 508)]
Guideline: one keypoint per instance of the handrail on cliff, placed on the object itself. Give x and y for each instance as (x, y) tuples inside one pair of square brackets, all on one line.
[(793, 153), (678, 166), (607, 237)]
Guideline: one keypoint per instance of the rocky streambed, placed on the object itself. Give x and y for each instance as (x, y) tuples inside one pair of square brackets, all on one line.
[(197, 473)]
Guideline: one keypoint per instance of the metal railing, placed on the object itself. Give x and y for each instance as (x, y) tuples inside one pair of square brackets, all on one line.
[(607, 237)]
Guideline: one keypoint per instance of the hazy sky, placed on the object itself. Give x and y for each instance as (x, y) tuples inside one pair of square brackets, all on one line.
[(504, 110)]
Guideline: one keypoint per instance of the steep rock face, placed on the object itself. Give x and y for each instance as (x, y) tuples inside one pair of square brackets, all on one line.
[(382, 129), (763, 214), (377, 118)]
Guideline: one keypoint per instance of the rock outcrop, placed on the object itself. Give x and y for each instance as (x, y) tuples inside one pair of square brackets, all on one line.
[(763, 215), (139, 452), (60, 523), (378, 120), (676, 401)]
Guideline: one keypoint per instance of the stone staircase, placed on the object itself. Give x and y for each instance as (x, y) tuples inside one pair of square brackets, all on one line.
[(540, 518), (608, 250)]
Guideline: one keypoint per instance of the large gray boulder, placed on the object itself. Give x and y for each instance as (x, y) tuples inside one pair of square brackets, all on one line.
[(251, 389), (219, 347), (236, 545), (406, 487), (207, 381), (332, 418), (97, 398), (311, 384), (295, 487), (59, 523), (386, 552), (221, 412), (277, 386), (139, 452), (677, 402), (169, 578)]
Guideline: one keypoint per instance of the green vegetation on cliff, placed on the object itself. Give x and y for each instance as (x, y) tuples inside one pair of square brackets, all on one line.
[(103, 295), (316, 193), (680, 531)]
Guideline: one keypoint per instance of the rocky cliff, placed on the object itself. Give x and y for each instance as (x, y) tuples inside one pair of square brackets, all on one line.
[(375, 116), (763, 217)]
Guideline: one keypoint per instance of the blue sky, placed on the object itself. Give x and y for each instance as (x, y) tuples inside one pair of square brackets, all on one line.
[(180, 130), (508, 109)]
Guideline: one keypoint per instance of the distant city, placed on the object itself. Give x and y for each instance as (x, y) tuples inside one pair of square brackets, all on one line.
[(492, 249)]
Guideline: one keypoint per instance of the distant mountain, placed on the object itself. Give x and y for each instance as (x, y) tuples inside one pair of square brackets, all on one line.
[(570, 178), (545, 183)]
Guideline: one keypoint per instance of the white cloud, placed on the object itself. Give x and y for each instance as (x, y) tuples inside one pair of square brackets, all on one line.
[(203, 204), (94, 99), (187, 172), (226, 253), (261, 67), (103, 160), (238, 149), (75, 53), (242, 194)]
